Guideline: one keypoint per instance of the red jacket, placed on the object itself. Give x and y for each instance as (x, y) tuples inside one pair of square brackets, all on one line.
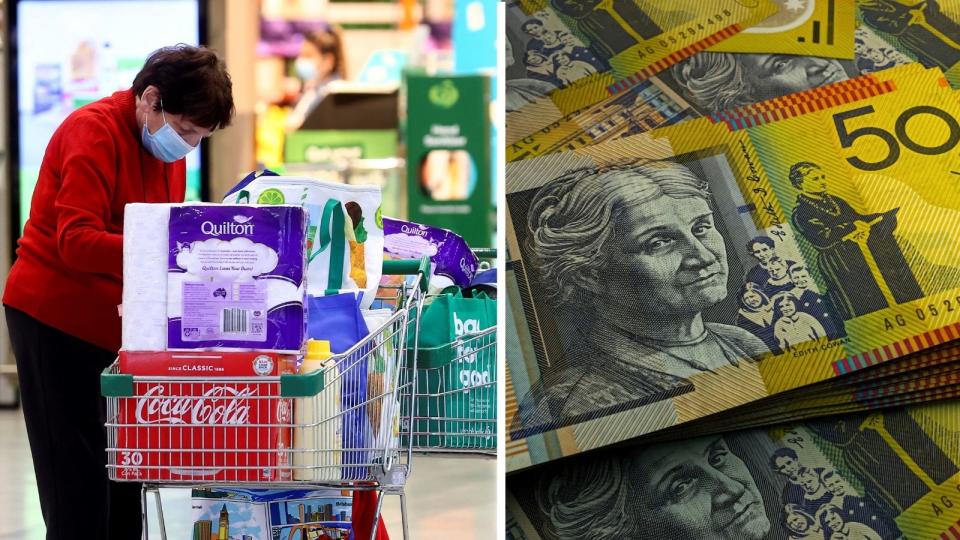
[(69, 268)]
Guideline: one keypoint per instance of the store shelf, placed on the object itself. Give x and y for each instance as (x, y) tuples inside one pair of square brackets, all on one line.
[(363, 13)]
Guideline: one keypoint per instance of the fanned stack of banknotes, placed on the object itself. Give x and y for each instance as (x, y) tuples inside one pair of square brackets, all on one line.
[(733, 235)]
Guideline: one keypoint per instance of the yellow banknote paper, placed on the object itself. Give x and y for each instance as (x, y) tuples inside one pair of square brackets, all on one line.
[(821, 28), (692, 269)]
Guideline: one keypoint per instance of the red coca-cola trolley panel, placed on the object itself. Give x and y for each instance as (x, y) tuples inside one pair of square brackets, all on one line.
[(207, 432), (208, 420)]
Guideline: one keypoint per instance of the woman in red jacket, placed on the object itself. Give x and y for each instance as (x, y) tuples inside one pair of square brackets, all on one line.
[(62, 293)]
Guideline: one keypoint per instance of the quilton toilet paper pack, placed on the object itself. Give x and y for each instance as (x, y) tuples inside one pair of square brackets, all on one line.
[(229, 277)]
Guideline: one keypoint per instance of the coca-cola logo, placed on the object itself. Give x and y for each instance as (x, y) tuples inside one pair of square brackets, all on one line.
[(220, 405)]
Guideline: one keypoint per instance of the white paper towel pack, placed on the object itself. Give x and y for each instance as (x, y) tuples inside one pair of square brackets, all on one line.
[(145, 256), (362, 257), (209, 276)]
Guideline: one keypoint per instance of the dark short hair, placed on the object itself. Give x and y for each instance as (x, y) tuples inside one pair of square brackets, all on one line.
[(777, 298), (799, 171), (766, 240), (529, 22), (782, 452), (329, 42), (826, 473), (193, 82), (827, 509), (796, 266)]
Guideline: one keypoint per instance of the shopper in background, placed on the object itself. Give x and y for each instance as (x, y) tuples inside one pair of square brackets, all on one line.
[(320, 62), (62, 293)]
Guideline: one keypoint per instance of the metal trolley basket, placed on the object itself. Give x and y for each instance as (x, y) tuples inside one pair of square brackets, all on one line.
[(244, 431), (455, 405)]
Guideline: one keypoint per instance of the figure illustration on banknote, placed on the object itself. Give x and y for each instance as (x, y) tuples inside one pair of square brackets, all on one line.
[(812, 302), (755, 314), (800, 524), (715, 82), (919, 26), (612, 26), (836, 479), (776, 286), (556, 56), (764, 250), (812, 495), (793, 326), (872, 54), (871, 60), (857, 255), (857, 509), (894, 458), (690, 489), (834, 523), (778, 278), (628, 257), (523, 90)]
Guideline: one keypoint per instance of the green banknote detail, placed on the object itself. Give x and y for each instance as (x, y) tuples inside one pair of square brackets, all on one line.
[(883, 475)]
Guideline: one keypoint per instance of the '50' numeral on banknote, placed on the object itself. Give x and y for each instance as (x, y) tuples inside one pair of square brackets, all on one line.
[(893, 143)]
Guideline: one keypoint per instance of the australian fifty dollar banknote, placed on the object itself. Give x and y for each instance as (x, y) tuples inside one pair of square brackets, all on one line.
[(682, 272), (567, 55), (878, 476), (704, 84)]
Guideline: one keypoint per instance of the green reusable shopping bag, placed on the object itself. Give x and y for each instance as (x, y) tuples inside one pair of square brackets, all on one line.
[(456, 373), (449, 316)]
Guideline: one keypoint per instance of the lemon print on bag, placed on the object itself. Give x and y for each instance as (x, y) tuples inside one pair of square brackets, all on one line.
[(356, 234), (271, 196)]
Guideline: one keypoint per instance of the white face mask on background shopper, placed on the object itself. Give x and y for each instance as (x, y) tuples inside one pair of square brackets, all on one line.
[(306, 69), (165, 144)]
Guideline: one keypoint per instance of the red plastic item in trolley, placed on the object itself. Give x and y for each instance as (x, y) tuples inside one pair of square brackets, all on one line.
[(210, 415)]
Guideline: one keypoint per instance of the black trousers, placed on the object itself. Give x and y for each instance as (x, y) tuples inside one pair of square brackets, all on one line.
[(64, 412)]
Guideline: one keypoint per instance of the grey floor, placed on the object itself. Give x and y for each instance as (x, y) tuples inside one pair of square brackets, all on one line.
[(447, 497)]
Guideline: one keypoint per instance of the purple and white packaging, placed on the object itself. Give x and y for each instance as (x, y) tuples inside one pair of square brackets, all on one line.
[(236, 277), (211, 276), (450, 256)]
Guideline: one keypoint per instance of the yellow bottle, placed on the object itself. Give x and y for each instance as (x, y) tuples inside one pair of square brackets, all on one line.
[(318, 419)]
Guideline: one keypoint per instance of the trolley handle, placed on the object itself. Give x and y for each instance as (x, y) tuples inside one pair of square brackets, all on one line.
[(114, 384), (302, 385), (485, 253), (409, 267)]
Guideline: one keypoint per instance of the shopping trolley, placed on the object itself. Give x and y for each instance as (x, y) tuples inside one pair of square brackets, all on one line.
[(337, 427), (455, 405)]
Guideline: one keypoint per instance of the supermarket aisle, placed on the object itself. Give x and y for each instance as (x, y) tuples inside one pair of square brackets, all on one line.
[(447, 497), (19, 509)]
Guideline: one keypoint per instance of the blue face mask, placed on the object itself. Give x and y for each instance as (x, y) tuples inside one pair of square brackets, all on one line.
[(165, 144), (306, 69)]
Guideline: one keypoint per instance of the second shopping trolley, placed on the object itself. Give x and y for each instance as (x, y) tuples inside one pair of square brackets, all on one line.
[(455, 406)]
